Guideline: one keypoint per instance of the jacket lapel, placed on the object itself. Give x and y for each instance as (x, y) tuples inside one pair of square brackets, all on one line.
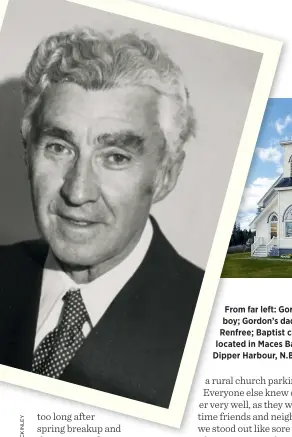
[(117, 352)]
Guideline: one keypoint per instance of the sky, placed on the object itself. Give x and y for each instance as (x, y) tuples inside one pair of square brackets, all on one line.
[(267, 161)]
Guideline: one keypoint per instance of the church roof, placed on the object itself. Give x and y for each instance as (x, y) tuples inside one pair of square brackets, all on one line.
[(284, 182), (270, 196)]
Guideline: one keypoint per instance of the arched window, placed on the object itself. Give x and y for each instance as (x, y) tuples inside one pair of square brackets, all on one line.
[(273, 220), (273, 217), (287, 218)]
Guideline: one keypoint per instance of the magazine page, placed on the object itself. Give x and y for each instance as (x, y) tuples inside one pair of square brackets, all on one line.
[(146, 218)]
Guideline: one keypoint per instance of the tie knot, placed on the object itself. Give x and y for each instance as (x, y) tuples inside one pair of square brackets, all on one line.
[(74, 312)]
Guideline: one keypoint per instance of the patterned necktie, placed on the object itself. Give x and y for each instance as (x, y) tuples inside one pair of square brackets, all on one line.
[(58, 348)]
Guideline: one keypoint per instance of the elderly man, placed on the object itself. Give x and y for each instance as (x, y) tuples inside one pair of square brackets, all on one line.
[(102, 300)]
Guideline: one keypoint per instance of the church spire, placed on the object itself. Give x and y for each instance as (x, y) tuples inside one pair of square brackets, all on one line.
[(287, 164)]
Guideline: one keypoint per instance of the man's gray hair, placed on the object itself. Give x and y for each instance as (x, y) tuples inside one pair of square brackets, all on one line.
[(97, 61)]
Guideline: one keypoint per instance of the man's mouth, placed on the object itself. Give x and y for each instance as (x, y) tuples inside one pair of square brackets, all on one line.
[(77, 221)]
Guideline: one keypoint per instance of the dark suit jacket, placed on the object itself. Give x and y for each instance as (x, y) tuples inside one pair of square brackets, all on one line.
[(135, 350)]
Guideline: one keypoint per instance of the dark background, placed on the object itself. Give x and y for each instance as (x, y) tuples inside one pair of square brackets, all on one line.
[(16, 218)]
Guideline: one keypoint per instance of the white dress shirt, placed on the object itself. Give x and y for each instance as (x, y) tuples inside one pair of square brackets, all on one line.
[(97, 295)]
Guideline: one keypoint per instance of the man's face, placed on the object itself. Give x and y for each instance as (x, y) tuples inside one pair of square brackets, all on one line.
[(94, 168)]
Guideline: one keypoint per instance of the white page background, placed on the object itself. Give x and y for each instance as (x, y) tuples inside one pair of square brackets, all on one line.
[(271, 19)]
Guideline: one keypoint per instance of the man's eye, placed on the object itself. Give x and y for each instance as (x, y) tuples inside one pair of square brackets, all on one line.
[(118, 159), (58, 149)]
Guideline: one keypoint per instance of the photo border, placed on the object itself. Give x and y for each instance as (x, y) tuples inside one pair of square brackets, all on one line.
[(271, 51)]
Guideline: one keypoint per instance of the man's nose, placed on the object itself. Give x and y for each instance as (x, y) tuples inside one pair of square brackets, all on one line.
[(81, 184)]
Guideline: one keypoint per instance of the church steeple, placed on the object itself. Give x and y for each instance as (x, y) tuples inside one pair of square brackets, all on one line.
[(287, 165)]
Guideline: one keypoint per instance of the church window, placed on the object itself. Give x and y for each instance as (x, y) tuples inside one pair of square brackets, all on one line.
[(273, 219), (288, 222)]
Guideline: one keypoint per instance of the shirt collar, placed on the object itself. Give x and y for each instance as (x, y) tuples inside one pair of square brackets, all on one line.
[(98, 294)]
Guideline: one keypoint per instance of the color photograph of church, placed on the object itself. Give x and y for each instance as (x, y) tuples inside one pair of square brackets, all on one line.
[(265, 210), (273, 222)]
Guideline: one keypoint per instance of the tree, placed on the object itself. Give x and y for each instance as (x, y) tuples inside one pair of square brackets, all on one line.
[(239, 236)]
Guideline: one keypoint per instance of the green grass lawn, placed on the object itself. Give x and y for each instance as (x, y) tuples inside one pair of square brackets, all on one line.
[(242, 265)]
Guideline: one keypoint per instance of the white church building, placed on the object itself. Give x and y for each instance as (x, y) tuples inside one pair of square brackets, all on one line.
[(273, 223)]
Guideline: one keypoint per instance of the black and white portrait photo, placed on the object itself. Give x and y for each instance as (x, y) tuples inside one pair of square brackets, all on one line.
[(118, 140)]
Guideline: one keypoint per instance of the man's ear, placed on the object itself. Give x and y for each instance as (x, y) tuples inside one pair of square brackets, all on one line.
[(24, 144), (26, 158), (168, 178)]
